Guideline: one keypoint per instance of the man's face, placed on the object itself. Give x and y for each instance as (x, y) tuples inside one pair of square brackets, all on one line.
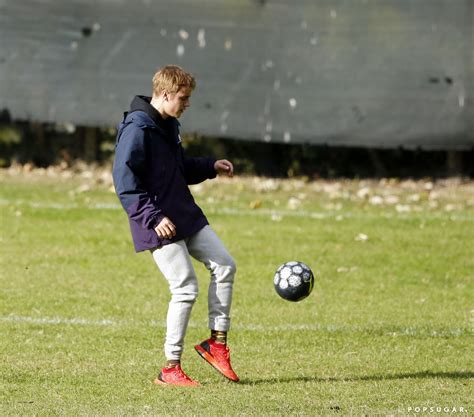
[(176, 103)]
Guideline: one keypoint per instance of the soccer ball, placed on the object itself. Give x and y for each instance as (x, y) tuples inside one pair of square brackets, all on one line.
[(293, 281)]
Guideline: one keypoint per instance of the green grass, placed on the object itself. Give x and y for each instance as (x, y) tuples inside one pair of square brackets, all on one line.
[(389, 325)]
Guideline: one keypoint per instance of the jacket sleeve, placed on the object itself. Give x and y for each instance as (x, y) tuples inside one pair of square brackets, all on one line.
[(128, 171), (197, 170)]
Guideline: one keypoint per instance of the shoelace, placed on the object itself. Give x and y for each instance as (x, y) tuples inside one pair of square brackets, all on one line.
[(179, 374), (183, 375), (223, 352)]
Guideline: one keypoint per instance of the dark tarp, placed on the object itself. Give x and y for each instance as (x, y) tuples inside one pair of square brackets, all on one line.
[(376, 73)]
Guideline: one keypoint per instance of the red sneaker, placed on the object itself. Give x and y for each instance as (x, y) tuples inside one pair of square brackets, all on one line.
[(175, 376), (217, 355)]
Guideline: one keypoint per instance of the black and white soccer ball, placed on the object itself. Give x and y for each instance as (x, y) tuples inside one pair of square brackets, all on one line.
[(293, 281)]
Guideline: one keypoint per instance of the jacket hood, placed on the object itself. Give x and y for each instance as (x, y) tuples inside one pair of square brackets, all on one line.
[(141, 104)]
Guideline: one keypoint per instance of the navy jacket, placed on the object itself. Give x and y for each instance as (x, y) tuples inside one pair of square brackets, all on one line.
[(151, 176)]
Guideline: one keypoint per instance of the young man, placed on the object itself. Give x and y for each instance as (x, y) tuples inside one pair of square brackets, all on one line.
[(151, 177)]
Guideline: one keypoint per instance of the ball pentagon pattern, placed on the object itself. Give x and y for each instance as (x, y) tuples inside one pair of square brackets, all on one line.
[(293, 281)]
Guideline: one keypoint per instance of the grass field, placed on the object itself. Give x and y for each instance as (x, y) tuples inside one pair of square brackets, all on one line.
[(388, 329)]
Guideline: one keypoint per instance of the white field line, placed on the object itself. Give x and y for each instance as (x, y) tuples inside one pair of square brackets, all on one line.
[(60, 206), (338, 215), (262, 212), (408, 331)]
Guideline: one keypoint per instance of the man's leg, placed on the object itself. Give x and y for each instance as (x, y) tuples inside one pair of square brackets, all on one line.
[(207, 248), (175, 263)]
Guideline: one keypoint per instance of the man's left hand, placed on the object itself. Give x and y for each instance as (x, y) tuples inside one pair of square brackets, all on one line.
[(223, 166)]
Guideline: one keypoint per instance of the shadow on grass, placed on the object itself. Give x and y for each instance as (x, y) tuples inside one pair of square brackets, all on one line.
[(388, 377)]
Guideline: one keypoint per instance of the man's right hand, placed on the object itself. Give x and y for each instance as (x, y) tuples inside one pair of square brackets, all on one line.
[(165, 229)]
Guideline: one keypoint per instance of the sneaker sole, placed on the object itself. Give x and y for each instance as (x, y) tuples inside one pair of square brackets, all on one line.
[(210, 360), (158, 381)]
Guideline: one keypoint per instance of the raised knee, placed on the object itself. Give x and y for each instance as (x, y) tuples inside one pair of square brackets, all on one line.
[(232, 267), (225, 272)]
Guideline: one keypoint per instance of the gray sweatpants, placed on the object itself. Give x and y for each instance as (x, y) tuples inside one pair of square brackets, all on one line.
[(174, 261)]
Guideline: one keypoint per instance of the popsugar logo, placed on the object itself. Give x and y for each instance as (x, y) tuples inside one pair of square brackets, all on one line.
[(436, 409)]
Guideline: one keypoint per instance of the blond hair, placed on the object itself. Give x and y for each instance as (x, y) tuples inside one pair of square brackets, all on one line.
[(171, 79)]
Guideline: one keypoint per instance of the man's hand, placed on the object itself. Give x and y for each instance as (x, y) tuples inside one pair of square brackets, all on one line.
[(223, 166), (165, 229)]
